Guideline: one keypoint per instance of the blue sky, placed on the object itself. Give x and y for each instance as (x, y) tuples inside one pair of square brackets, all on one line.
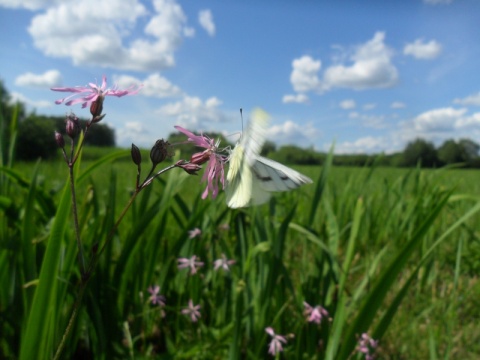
[(369, 75)]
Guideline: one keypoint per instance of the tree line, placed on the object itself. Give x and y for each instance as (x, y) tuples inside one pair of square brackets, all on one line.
[(35, 139)]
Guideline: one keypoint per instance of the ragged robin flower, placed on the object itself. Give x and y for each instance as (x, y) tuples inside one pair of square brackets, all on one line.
[(89, 94), (214, 173)]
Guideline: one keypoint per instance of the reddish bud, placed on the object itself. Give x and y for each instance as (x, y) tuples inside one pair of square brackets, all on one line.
[(72, 126), (96, 107), (200, 157), (60, 140), (189, 167)]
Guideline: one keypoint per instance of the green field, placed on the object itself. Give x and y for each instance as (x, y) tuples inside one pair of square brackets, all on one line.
[(391, 252)]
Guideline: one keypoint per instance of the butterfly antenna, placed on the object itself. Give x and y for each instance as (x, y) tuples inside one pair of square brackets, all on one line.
[(241, 116)]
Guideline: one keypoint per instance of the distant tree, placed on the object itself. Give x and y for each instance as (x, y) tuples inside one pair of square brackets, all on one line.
[(420, 151), (470, 149), (36, 139), (268, 147), (450, 152), (10, 114), (462, 151)]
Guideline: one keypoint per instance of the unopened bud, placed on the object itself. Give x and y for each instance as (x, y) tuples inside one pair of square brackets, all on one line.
[(189, 167), (72, 126), (136, 155), (159, 151), (96, 107), (60, 140), (200, 157)]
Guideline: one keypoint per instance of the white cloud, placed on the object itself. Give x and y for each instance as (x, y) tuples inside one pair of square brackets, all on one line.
[(35, 104), (443, 119), (397, 105), (423, 50), (368, 144), (369, 106), (27, 4), (293, 133), (469, 100), (469, 122), (348, 104), (371, 68), (134, 132), (48, 79), (192, 112), (205, 18), (93, 33), (297, 98), (154, 85), (304, 74)]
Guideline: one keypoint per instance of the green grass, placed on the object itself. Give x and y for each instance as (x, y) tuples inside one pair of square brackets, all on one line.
[(392, 252)]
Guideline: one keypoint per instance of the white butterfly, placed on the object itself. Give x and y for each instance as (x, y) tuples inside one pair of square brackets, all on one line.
[(251, 178)]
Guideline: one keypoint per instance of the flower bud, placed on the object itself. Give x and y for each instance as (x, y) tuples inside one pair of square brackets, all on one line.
[(136, 155), (60, 140), (72, 126), (96, 107), (200, 157), (189, 167), (159, 151)]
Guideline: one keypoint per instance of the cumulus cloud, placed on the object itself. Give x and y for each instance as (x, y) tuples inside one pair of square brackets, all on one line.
[(297, 98), (192, 112), (48, 79), (154, 85), (443, 119), (304, 74), (348, 104), (133, 132), (369, 67), (423, 50), (368, 144), (469, 100), (369, 106), (27, 4), (93, 33), (35, 104), (293, 133), (205, 18)]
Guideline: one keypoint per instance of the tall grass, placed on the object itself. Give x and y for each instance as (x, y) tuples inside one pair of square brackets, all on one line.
[(386, 252)]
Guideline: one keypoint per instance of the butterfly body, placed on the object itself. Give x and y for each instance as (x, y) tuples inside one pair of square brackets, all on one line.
[(252, 178)]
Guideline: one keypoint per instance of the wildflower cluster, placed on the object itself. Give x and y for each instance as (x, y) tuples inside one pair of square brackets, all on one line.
[(367, 346)]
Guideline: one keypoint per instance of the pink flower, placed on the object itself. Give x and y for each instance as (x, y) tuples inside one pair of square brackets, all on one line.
[(214, 172), (223, 263), (275, 345), (194, 233), (192, 310), (89, 94), (315, 314), (367, 346), (155, 298), (191, 263)]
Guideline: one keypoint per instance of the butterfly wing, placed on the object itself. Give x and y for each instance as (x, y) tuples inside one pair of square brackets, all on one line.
[(251, 178), (273, 176), (240, 183)]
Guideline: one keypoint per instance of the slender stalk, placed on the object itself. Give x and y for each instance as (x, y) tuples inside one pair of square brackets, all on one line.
[(81, 257), (86, 275)]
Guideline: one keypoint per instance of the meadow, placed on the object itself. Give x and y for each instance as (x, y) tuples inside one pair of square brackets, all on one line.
[(392, 253)]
